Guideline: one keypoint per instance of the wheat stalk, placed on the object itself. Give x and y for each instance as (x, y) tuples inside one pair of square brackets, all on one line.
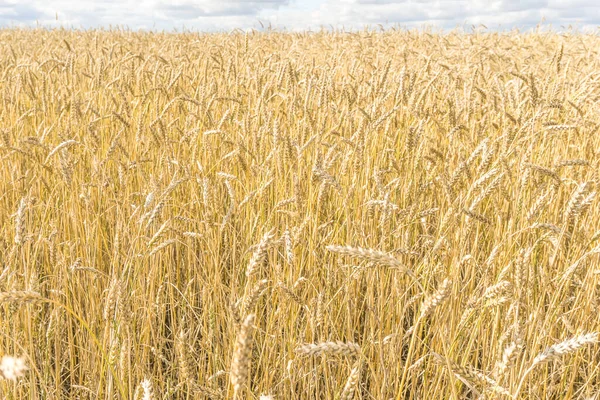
[(20, 297), (374, 256), (259, 257), (349, 349), (350, 386), (240, 363), (557, 351)]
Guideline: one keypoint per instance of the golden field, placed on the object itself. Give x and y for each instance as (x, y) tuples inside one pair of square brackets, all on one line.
[(331, 215)]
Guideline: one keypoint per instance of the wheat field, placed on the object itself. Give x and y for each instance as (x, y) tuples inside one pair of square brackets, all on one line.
[(317, 215)]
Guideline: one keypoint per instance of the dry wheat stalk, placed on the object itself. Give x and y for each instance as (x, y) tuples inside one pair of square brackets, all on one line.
[(374, 256), (472, 377), (112, 299), (240, 363), (162, 246), (20, 227), (351, 382), (337, 348), (251, 298), (148, 393), (61, 146), (555, 352), (20, 297), (509, 356), (259, 257), (432, 302)]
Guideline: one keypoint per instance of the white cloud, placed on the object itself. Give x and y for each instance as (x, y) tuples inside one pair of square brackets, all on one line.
[(17, 12), (190, 9), (207, 15), (495, 14)]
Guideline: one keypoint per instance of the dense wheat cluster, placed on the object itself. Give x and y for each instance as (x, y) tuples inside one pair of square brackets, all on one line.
[(367, 215)]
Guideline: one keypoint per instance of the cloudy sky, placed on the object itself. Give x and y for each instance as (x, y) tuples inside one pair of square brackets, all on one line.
[(211, 15)]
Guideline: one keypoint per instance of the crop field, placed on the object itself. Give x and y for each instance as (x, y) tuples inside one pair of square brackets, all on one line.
[(326, 215)]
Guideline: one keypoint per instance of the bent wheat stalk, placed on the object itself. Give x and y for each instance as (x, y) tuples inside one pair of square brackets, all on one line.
[(556, 351)]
